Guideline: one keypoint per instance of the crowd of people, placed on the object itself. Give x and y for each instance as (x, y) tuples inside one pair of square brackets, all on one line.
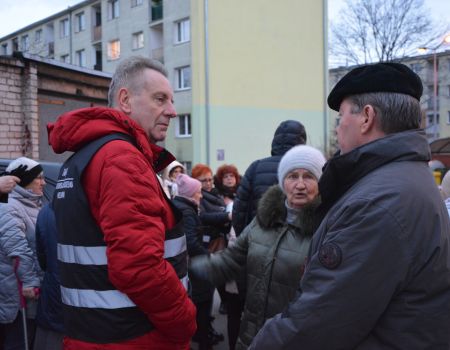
[(352, 252)]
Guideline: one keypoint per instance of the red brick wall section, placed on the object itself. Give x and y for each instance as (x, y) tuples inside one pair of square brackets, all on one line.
[(18, 109)]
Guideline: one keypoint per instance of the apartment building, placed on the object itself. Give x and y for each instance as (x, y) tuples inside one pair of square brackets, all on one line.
[(237, 68), (436, 121)]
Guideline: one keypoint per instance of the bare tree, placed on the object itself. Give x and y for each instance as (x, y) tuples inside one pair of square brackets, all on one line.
[(381, 30)]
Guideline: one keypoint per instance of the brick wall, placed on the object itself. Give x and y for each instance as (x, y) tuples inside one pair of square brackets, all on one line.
[(19, 127)]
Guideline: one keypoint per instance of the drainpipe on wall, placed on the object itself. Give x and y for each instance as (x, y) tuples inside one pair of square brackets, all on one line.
[(70, 35), (207, 109), (325, 78)]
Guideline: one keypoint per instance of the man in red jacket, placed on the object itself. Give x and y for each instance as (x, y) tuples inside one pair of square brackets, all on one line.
[(121, 252)]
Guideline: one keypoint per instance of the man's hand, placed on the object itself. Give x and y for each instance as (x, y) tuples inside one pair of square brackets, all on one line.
[(7, 183)]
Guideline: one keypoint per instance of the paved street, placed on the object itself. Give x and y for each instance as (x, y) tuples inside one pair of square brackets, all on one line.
[(220, 324)]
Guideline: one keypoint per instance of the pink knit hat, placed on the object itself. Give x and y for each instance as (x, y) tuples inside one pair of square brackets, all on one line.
[(187, 186)]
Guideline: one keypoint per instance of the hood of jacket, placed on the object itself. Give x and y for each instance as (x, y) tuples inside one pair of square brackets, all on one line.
[(342, 171), (289, 133), (272, 211), (74, 129)]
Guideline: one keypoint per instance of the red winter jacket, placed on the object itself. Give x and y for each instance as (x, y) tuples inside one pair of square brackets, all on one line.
[(127, 203)]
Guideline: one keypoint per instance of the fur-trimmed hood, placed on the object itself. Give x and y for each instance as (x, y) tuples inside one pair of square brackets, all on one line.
[(272, 211)]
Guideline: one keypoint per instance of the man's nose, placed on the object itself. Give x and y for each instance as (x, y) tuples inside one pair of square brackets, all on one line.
[(170, 110)]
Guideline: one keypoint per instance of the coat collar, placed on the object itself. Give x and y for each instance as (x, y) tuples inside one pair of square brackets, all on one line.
[(272, 212)]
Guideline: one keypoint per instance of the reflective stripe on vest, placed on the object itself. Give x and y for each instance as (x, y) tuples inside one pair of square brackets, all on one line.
[(107, 299), (174, 247), (82, 255), (97, 255)]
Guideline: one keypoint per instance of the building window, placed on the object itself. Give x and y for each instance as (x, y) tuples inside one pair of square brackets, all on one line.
[(15, 44), (183, 75), (114, 49), (138, 40), (182, 31), (5, 49), (25, 43), (184, 125), (113, 9), (64, 28), (135, 3), (81, 58), (65, 58), (416, 67), (38, 35), (80, 22)]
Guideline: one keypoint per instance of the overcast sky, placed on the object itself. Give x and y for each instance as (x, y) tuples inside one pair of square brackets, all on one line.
[(16, 14)]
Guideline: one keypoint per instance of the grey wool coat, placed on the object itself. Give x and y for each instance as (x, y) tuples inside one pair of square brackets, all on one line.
[(17, 239), (273, 254)]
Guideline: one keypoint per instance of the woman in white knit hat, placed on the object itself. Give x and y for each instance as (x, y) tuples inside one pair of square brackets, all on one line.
[(274, 246), (18, 261)]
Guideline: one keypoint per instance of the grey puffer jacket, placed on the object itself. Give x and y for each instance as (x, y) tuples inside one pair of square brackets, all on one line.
[(379, 270), (273, 253), (17, 239)]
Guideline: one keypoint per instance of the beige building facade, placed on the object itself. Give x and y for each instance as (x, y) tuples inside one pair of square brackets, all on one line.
[(238, 68)]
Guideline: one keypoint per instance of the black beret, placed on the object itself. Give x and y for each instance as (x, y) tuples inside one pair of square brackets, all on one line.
[(379, 77)]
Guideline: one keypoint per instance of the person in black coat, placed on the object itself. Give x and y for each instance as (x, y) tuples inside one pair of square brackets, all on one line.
[(49, 318), (188, 201), (262, 173)]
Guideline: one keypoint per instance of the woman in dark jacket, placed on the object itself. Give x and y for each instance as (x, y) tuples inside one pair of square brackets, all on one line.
[(188, 200), (273, 247), (49, 318)]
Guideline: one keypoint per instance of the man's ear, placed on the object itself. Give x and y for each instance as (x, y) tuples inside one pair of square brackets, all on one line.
[(368, 119), (123, 100)]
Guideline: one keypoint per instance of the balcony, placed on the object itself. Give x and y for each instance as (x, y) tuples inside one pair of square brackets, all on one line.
[(158, 54), (157, 12), (96, 34)]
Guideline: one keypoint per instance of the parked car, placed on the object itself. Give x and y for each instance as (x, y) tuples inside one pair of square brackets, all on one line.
[(51, 172)]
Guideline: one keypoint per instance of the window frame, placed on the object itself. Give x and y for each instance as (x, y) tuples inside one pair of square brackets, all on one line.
[(184, 120), (81, 57), (38, 37), (63, 58), (24, 43), (135, 3), (113, 55), (64, 28), (80, 22), (181, 78), (137, 41), (182, 31), (113, 9)]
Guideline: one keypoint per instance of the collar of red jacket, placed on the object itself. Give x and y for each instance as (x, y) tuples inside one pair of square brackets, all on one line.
[(74, 129)]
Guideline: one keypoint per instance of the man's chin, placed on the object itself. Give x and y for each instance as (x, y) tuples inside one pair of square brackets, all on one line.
[(158, 137)]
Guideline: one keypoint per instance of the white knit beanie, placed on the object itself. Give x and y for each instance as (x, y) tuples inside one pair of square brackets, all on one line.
[(301, 156)]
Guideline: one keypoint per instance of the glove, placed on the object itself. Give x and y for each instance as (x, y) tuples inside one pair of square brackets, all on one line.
[(19, 171)]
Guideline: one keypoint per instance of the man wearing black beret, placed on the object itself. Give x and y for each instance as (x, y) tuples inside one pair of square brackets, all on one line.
[(378, 275)]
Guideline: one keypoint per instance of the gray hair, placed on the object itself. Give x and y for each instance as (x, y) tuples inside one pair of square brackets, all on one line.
[(396, 112), (127, 72)]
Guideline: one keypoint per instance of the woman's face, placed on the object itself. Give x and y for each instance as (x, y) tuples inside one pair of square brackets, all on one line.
[(197, 196), (37, 185), (229, 180), (175, 172), (300, 187), (207, 181)]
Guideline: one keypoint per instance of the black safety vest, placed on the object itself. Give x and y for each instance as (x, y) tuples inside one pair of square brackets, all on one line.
[(94, 310)]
